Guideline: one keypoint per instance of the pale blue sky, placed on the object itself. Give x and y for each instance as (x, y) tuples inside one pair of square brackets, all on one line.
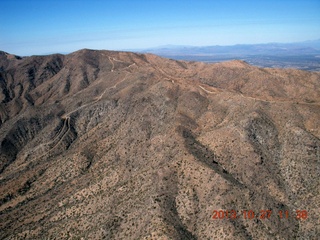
[(45, 26)]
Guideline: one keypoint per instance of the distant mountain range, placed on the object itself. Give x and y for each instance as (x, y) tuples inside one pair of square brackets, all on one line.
[(301, 55), (307, 47)]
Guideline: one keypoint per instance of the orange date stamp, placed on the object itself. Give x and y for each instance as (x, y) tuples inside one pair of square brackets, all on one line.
[(262, 214)]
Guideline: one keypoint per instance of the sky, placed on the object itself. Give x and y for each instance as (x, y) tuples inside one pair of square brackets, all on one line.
[(30, 27)]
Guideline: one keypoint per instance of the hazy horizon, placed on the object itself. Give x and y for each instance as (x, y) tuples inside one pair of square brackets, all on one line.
[(43, 27)]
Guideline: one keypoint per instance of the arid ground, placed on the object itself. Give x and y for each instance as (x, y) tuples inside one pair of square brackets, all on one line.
[(119, 145)]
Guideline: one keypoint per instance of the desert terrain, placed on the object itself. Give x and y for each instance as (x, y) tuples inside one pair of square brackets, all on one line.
[(121, 145)]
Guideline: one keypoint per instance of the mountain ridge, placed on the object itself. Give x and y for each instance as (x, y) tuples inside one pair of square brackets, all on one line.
[(120, 145)]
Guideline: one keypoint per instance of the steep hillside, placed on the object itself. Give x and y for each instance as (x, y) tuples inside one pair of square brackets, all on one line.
[(118, 145)]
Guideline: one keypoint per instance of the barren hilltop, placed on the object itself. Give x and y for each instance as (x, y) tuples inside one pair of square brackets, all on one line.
[(119, 145)]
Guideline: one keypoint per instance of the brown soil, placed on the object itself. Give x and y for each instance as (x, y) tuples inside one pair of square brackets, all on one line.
[(117, 145)]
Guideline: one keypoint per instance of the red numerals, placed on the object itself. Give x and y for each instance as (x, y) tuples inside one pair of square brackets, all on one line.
[(265, 214), (250, 214), (220, 214), (301, 214), (233, 214), (215, 214), (284, 214)]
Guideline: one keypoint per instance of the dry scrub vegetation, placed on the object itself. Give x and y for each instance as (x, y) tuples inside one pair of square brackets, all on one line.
[(116, 145)]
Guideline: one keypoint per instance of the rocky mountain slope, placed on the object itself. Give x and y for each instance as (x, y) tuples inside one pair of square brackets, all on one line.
[(117, 145)]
